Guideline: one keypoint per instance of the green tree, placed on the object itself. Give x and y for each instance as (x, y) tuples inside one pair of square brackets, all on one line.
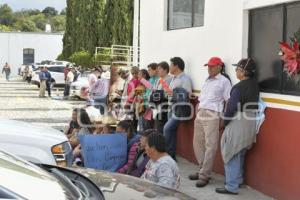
[(4, 28), (63, 11), (39, 20), (58, 23), (28, 26), (6, 15), (82, 58), (50, 11)]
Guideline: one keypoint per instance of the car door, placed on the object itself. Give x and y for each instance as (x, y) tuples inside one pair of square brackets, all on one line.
[(57, 73)]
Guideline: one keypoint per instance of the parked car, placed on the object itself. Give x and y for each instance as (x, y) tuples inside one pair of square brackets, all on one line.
[(34, 143), (79, 88), (23, 180), (57, 74)]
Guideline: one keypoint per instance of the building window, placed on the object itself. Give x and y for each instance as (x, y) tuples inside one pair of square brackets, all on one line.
[(185, 13), (264, 37), (28, 56)]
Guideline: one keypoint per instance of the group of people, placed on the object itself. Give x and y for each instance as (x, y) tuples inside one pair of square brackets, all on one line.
[(149, 105), (146, 151)]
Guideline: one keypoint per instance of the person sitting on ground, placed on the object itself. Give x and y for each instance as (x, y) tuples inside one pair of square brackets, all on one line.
[(72, 125), (83, 119), (107, 126), (141, 159), (86, 127), (132, 143), (161, 168)]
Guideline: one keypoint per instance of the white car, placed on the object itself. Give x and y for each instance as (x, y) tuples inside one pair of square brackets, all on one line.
[(34, 143), (57, 75), (79, 88)]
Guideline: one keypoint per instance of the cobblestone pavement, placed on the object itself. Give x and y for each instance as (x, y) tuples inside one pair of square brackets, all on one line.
[(20, 101)]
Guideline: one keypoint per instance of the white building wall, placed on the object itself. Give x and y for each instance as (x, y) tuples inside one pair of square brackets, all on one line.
[(224, 34), (47, 46)]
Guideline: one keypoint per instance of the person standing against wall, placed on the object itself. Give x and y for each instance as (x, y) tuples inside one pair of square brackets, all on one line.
[(43, 79), (240, 125), (179, 80), (215, 92), (7, 70)]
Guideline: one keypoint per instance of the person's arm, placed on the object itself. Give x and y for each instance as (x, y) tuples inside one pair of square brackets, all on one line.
[(131, 156), (232, 106)]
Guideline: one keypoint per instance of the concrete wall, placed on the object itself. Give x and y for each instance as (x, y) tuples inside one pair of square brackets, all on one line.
[(47, 46)]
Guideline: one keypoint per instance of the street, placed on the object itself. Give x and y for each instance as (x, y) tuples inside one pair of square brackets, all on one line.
[(20, 101)]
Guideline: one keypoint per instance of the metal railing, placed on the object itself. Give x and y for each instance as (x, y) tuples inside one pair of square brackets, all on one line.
[(121, 55)]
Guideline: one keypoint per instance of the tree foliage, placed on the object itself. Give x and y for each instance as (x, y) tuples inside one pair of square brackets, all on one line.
[(50, 11), (82, 58), (92, 23), (30, 20), (6, 15)]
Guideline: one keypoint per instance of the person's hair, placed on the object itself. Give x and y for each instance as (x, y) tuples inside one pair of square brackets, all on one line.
[(127, 126), (137, 69), (145, 74), (157, 141), (147, 132), (164, 65), (152, 66), (178, 62), (223, 72), (99, 69), (85, 119), (249, 74)]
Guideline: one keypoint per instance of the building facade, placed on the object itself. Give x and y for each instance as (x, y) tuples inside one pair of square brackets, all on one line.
[(19, 48), (199, 29)]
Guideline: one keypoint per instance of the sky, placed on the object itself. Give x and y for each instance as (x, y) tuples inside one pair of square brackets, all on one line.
[(35, 4)]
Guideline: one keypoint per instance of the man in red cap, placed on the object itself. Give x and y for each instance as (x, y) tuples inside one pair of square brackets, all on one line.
[(215, 92)]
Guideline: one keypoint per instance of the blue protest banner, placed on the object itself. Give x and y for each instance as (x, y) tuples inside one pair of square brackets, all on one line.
[(106, 151)]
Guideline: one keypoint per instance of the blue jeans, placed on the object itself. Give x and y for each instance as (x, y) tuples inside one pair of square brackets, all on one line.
[(234, 171), (100, 103), (170, 133)]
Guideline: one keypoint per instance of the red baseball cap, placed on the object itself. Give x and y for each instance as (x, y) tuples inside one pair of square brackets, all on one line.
[(213, 61)]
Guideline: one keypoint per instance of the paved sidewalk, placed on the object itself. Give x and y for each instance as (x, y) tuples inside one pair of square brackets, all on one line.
[(208, 192)]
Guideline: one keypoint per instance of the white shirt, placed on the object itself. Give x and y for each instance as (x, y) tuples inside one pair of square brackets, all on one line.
[(70, 77), (92, 79), (215, 91)]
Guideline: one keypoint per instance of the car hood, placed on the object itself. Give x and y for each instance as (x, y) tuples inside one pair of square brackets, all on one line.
[(27, 180), (20, 129), (119, 186)]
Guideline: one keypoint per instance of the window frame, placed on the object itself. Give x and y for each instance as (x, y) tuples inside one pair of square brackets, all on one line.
[(193, 16), (282, 90)]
